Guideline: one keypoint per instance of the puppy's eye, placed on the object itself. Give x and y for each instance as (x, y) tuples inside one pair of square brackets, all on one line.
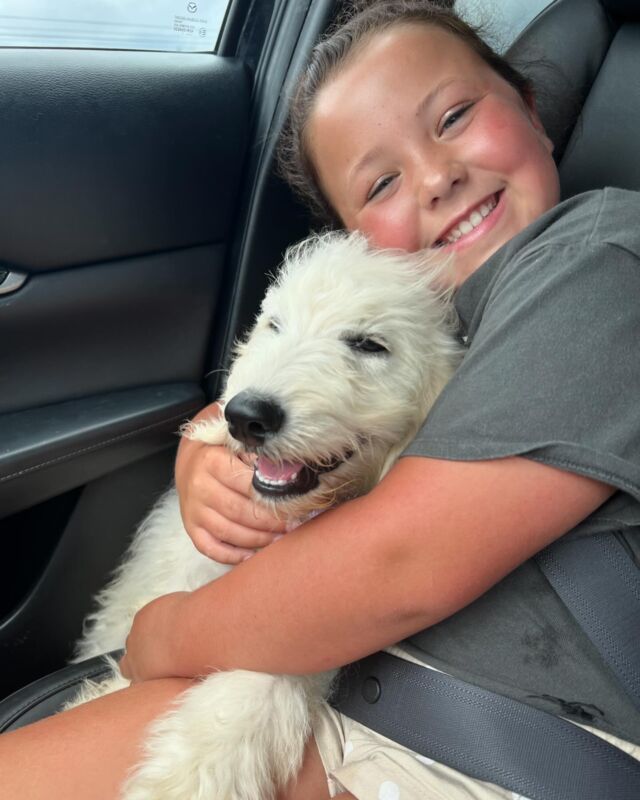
[(364, 344), (274, 325)]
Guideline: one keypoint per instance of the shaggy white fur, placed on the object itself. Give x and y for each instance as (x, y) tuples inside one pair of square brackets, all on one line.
[(347, 355)]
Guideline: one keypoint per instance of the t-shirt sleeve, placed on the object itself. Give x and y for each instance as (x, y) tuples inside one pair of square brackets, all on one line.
[(552, 371)]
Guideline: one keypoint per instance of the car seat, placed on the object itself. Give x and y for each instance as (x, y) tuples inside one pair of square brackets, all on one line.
[(585, 57)]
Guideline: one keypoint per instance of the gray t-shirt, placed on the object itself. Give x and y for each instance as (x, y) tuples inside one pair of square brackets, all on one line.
[(551, 323)]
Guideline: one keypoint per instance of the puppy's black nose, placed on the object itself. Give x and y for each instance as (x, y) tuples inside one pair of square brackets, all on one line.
[(251, 418)]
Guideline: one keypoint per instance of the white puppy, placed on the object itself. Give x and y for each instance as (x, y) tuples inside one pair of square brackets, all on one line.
[(349, 351)]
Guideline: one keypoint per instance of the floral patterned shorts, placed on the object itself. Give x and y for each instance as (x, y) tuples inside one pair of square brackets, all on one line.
[(372, 767)]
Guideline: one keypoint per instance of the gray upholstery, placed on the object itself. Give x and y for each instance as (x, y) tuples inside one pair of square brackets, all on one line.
[(49, 694)]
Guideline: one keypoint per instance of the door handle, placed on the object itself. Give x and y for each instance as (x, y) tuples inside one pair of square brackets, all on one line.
[(11, 281)]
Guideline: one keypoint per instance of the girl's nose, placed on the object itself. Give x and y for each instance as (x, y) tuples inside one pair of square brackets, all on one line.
[(438, 180)]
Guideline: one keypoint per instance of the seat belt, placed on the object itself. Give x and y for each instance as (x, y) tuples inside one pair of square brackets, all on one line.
[(597, 580), (482, 734), (495, 738)]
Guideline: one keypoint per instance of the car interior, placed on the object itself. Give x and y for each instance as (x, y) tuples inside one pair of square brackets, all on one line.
[(140, 217)]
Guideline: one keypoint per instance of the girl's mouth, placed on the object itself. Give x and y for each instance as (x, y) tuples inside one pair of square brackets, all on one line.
[(479, 220)]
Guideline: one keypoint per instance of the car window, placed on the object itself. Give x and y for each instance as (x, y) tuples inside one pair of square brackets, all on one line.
[(173, 25), (501, 20)]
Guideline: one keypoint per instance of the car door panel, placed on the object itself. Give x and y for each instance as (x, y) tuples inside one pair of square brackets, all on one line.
[(114, 155), (120, 175), (109, 154), (60, 553), (78, 332), (47, 451), (139, 198)]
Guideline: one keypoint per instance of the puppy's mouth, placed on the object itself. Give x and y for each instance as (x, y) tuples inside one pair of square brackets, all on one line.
[(284, 478)]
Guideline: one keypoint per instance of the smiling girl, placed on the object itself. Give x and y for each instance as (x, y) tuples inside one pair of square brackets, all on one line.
[(407, 127), (458, 162)]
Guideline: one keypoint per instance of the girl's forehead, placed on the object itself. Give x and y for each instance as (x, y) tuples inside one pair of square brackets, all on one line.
[(414, 44), (394, 68), (400, 60)]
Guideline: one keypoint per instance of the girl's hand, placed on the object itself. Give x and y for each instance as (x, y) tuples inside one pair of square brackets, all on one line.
[(148, 652), (218, 512)]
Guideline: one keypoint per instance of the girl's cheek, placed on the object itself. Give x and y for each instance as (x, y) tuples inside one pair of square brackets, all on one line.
[(390, 226), (504, 138)]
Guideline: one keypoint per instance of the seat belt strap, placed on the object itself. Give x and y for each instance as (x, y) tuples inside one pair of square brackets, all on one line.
[(597, 580), (482, 734)]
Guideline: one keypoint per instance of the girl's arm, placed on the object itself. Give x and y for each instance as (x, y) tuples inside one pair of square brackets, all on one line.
[(429, 539)]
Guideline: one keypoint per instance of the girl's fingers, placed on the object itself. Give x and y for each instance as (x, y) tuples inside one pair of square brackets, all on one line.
[(225, 485), (219, 511), (235, 506), (246, 513), (228, 469), (213, 548), (232, 530), (218, 537)]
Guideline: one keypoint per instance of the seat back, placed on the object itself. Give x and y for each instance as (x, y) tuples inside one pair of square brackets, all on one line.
[(584, 57)]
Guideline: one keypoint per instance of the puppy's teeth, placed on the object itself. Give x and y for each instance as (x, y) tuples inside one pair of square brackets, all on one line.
[(275, 481)]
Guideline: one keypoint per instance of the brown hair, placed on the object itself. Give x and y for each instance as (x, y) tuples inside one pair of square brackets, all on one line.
[(356, 24)]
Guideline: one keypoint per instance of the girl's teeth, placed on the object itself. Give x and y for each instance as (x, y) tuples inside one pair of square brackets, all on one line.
[(467, 225)]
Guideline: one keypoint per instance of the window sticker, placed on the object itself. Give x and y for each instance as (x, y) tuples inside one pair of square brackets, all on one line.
[(183, 25)]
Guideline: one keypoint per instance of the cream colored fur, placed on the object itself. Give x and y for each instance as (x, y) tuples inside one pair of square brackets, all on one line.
[(241, 735)]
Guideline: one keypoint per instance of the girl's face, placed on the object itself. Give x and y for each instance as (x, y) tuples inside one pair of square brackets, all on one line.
[(419, 144)]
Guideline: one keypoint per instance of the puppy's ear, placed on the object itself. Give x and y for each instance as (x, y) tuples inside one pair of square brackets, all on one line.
[(392, 456)]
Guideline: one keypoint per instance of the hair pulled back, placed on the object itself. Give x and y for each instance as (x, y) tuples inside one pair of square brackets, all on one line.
[(353, 28)]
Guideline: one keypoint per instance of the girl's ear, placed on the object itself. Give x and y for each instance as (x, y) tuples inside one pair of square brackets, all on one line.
[(530, 102)]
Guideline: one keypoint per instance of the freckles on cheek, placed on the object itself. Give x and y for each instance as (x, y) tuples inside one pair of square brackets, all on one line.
[(389, 231), (501, 144)]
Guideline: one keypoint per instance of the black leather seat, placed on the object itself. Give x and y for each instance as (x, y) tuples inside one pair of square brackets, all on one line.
[(48, 695), (585, 56)]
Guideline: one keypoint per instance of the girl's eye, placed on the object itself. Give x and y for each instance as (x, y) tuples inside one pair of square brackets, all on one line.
[(379, 186), (453, 117)]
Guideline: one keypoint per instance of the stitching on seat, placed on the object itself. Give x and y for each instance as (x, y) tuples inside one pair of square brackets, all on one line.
[(29, 704), (96, 446)]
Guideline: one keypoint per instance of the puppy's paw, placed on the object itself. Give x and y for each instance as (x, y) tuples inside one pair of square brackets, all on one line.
[(236, 736)]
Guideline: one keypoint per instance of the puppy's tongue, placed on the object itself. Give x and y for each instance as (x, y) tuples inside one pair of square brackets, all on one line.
[(282, 471)]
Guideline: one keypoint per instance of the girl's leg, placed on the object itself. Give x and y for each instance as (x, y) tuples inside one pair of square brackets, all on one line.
[(85, 752), (311, 783)]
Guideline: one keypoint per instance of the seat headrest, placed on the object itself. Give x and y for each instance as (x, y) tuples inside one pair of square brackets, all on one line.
[(584, 61), (562, 51), (603, 149), (625, 10)]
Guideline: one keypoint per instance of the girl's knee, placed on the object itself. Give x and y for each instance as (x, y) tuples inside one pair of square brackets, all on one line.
[(311, 781)]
